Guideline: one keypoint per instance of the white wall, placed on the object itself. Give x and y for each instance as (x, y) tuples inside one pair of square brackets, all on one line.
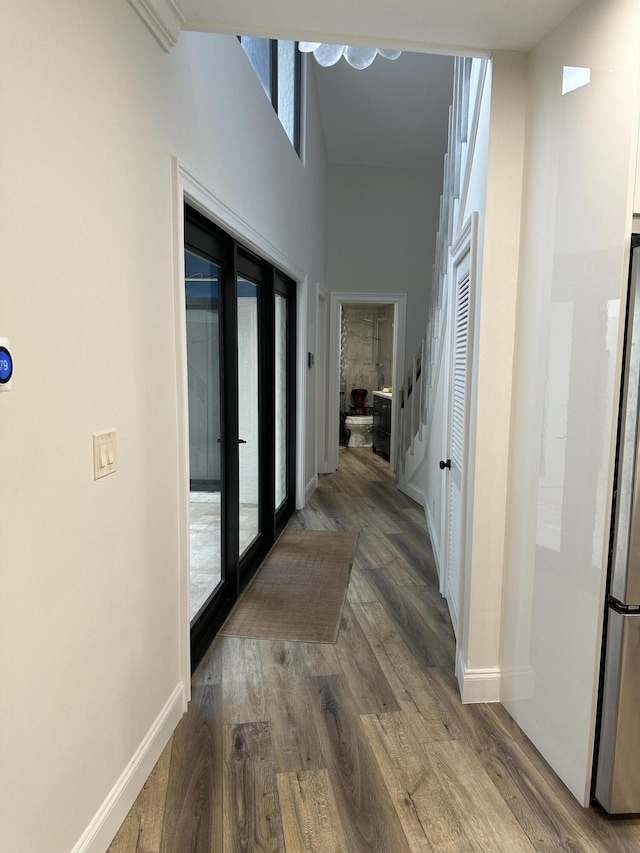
[(580, 165), (381, 237), (491, 378), (92, 111)]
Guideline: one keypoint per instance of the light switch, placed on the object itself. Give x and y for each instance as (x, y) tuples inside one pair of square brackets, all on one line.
[(104, 454)]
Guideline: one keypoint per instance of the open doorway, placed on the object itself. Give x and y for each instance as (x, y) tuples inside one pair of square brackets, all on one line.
[(366, 350), (366, 370)]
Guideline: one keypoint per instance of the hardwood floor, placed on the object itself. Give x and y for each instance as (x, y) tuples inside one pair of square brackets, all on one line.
[(362, 745)]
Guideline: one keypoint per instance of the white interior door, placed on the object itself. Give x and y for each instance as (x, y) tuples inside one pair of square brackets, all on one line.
[(454, 466)]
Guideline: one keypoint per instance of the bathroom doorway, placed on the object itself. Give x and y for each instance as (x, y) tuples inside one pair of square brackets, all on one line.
[(366, 354)]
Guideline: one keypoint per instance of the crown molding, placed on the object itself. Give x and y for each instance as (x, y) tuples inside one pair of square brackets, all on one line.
[(164, 18)]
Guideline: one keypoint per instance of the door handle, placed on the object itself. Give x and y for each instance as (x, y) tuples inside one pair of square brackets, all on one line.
[(444, 464), (241, 441)]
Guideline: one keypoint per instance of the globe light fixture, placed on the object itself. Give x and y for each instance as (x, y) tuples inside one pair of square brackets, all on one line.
[(357, 57)]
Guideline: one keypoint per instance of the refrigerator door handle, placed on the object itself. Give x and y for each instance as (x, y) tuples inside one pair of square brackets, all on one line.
[(617, 786), (624, 609)]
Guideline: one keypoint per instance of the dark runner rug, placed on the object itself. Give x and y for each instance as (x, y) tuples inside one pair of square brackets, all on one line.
[(299, 591)]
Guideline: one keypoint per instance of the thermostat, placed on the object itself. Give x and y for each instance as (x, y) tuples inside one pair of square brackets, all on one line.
[(6, 365)]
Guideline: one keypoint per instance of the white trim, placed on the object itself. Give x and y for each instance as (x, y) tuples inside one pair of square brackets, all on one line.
[(412, 492), (399, 301), (464, 245), (472, 138), (478, 685), (451, 597), (322, 338), (215, 207), (163, 18), (182, 422), (435, 544), (304, 101), (312, 485), (187, 186), (463, 241), (468, 242), (441, 360), (517, 683), (109, 817), (412, 463), (301, 390), (444, 372), (295, 33)]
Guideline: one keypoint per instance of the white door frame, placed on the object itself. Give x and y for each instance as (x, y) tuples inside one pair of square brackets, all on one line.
[(322, 371), (186, 186), (399, 302), (463, 252)]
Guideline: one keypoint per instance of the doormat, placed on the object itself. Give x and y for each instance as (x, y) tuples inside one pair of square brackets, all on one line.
[(299, 591)]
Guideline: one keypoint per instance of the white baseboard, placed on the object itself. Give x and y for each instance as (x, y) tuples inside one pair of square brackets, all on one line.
[(435, 543), (478, 685), (517, 682), (414, 459), (412, 492), (311, 486), (451, 597), (109, 817)]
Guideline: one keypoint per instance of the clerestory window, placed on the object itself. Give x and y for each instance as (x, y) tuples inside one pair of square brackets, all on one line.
[(278, 67)]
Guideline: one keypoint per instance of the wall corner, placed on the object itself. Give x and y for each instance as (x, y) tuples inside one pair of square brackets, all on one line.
[(164, 19)]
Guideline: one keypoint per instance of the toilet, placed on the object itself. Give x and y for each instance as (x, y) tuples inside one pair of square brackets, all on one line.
[(360, 420), (361, 427)]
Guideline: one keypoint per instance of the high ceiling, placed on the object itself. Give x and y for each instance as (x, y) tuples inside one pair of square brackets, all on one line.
[(390, 114), (393, 114), (443, 25)]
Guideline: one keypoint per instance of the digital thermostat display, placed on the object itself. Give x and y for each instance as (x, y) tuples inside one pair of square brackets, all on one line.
[(6, 365)]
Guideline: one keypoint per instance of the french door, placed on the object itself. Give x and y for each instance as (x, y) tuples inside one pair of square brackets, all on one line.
[(240, 333)]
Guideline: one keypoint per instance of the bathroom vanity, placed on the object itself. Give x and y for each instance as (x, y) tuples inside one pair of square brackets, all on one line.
[(382, 402)]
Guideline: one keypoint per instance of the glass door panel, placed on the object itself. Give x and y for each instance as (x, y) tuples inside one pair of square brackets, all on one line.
[(281, 337), (248, 413), (240, 347), (202, 278), (284, 345)]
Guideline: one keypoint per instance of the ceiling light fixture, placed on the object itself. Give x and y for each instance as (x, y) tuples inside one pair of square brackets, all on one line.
[(357, 57)]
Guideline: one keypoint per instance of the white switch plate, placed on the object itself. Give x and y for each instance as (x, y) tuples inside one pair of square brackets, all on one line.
[(105, 457)]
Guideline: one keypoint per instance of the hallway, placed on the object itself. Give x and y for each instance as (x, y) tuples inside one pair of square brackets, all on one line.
[(362, 745)]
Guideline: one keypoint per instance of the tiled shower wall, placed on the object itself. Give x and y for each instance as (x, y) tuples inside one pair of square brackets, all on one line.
[(366, 350)]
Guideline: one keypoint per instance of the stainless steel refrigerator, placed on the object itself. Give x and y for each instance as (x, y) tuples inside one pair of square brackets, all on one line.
[(617, 764)]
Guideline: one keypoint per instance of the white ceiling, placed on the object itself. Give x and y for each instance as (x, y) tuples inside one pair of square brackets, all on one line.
[(393, 114), (435, 25)]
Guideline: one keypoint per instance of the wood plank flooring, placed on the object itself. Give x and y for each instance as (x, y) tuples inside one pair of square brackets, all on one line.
[(362, 745)]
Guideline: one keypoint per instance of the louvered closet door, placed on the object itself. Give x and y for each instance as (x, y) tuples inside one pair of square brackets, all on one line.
[(457, 436)]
